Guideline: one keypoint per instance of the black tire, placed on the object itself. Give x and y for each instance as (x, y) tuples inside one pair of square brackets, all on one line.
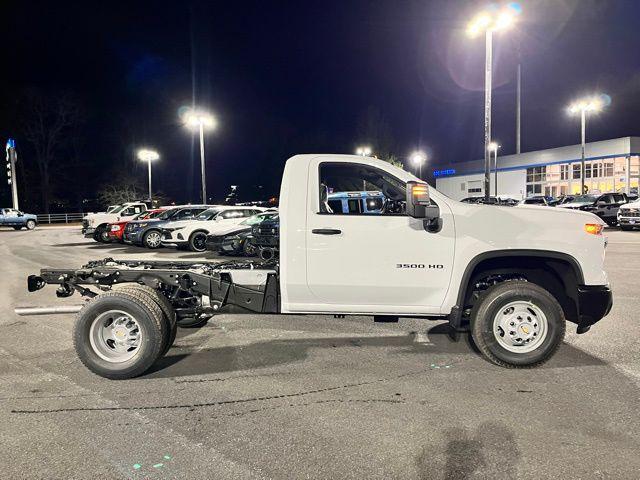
[(198, 241), (248, 248), (168, 312), (17, 228), (31, 224), (101, 235), (495, 299), (152, 239), (151, 323)]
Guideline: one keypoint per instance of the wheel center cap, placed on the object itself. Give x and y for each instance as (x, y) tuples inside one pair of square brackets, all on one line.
[(525, 329), (120, 333)]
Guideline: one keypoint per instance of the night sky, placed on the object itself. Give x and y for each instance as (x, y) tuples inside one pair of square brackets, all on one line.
[(286, 77)]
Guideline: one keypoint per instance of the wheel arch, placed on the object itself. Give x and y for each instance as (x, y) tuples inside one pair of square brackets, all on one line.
[(557, 272)]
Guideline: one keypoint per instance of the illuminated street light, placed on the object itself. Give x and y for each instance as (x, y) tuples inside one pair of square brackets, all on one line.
[(201, 120), (418, 158), (493, 147), (363, 151), (582, 107), (148, 156), (487, 22)]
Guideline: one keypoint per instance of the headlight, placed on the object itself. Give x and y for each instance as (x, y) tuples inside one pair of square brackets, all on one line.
[(115, 228)]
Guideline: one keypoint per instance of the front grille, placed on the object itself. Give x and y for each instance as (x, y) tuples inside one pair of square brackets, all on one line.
[(129, 227), (633, 212), (267, 230), (85, 223)]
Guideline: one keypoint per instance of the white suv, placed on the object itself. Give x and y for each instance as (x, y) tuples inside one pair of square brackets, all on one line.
[(192, 234)]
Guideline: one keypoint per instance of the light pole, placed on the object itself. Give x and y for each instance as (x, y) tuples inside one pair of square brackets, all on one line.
[(418, 158), (200, 119), (148, 156), (489, 21), (493, 147), (582, 107)]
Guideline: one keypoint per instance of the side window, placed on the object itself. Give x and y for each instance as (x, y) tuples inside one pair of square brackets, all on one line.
[(232, 214), (356, 189), (184, 214)]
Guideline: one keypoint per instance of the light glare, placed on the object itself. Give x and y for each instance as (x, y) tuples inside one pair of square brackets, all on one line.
[(195, 118), (147, 155)]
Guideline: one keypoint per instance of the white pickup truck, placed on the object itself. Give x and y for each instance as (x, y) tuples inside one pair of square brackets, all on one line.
[(94, 225), (511, 277)]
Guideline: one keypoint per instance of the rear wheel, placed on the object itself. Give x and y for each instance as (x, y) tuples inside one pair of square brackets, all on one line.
[(198, 242), (31, 224), (517, 324), (119, 334), (152, 239), (168, 312), (248, 249)]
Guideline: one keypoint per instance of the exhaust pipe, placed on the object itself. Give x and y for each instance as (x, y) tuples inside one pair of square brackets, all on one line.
[(267, 254), (62, 310)]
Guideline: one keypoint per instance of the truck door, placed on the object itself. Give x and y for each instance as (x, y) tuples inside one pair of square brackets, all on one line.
[(373, 262)]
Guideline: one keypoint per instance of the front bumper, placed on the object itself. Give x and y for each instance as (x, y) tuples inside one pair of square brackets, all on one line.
[(594, 303), (173, 237), (630, 221), (134, 238), (88, 231)]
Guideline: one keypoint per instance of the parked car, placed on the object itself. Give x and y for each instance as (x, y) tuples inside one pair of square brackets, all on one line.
[(604, 206), (561, 200), (265, 236), (148, 233), (192, 233), (356, 202), (629, 215), (509, 202), (10, 217), (116, 230), (236, 239), (95, 224), (537, 200)]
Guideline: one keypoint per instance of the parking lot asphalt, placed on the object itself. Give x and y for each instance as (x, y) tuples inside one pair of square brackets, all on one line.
[(312, 396)]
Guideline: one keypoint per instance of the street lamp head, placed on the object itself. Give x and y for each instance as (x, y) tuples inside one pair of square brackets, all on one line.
[(147, 155), (418, 158), (493, 147), (196, 118), (588, 105), (363, 151), (494, 20)]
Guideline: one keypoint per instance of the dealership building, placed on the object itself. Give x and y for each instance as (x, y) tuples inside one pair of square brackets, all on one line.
[(610, 166)]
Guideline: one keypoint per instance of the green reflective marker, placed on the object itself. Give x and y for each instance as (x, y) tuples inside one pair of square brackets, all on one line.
[(137, 466)]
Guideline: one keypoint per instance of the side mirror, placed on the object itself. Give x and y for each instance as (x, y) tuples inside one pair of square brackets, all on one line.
[(419, 206)]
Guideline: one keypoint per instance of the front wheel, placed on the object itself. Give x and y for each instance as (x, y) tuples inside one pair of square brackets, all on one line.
[(198, 242), (517, 324), (101, 235), (152, 239), (31, 224), (249, 249)]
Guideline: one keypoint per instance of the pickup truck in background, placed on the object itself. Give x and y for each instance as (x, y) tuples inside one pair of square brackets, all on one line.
[(10, 217), (511, 277), (629, 215), (95, 225)]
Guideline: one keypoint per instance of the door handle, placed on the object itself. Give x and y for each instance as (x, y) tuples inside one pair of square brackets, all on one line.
[(326, 231)]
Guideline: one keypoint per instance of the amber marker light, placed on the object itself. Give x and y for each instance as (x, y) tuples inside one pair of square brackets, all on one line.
[(593, 228)]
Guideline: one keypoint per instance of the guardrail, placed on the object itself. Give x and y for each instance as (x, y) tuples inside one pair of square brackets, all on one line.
[(60, 217)]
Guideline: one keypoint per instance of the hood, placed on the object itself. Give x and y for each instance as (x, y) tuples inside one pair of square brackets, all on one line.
[(574, 204), (151, 220), (215, 229), (626, 206)]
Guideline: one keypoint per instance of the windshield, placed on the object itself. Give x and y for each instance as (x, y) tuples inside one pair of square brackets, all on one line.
[(147, 215), (258, 218), (112, 208), (167, 214), (585, 198), (208, 214)]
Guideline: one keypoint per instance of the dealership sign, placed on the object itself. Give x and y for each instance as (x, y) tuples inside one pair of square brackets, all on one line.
[(444, 173)]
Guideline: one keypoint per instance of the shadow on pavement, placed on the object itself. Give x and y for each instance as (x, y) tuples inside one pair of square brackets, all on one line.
[(283, 352)]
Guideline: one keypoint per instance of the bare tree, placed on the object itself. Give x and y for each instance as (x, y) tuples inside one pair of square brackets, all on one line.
[(121, 190), (48, 118)]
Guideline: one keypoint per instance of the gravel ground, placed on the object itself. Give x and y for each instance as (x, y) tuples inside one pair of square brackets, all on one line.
[(312, 397)]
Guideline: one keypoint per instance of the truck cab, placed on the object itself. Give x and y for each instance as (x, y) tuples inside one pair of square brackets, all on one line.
[(96, 225)]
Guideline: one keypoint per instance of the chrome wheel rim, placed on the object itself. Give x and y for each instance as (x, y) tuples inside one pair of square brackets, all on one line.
[(153, 239), (115, 336), (31, 224), (520, 326)]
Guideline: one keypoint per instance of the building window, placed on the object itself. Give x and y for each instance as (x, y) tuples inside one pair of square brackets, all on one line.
[(536, 174), (576, 171), (587, 170), (463, 187), (608, 169), (564, 172)]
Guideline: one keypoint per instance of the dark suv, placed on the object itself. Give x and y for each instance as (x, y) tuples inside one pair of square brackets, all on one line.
[(148, 233), (605, 206)]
